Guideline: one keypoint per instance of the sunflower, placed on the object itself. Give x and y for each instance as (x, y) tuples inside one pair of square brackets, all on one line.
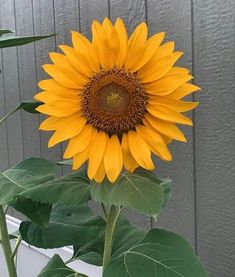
[(116, 99)]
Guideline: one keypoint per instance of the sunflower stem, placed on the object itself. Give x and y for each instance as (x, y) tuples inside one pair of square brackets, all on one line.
[(6, 246), (9, 114), (112, 217)]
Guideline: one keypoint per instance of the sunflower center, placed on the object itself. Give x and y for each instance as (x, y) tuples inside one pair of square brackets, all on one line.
[(114, 101)]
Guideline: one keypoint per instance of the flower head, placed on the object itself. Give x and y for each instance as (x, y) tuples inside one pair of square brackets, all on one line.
[(116, 99)]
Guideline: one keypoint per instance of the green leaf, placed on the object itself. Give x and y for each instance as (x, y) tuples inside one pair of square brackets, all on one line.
[(160, 253), (10, 41), (131, 190), (27, 105), (3, 32), (126, 235), (39, 213), (165, 184), (65, 162), (25, 175), (71, 189), (57, 268), (68, 226)]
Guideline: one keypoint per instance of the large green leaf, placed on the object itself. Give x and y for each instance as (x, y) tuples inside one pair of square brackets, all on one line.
[(27, 174), (57, 268), (67, 226), (131, 190), (27, 105), (71, 189), (160, 253), (165, 184), (126, 235), (36, 211), (10, 40)]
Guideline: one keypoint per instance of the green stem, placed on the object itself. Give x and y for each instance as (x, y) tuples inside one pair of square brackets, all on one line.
[(109, 233), (7, 115), (18, 242), (6, 246)]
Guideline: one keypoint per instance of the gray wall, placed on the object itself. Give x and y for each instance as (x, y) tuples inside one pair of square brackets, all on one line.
[(202, 206)]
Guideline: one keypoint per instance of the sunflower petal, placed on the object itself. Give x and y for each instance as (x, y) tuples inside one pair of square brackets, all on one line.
[(140, 150), (113, 160), (155, 141), (80, 158), (167, 114), (59, 59), (123, 40), (79, 143), (66, 131), (162, 67), (48, 97), (100, 173), (174, 104), (97, 150), (50, 84), (65, 76), (167, 84), (183, 91), (129, 162), (164, 127)]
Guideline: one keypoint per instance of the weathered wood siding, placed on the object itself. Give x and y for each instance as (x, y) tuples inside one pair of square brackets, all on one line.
[(202, 207)]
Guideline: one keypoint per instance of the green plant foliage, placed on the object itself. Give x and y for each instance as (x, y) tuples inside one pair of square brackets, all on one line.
[(3, 32), (126, 235), (38, 212), (134, 190), (72, 189), (57, 268), (67, 226), (27, 174), (160, 253), (11, 40)]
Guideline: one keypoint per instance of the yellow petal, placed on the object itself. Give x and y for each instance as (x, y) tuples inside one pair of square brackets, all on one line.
[(101, 43), (59, 108), (129, 162), (136, 43), (85, 50), (75, 61), (169, 115), (107, 26), (50, 84), (174, 104), (146, 53), (167, 128), (123, 40), (69, 130), (97, 149), (162, 67), (155, 141), (183, 91), (80, 158), (54, 123), (100, 174), (167, 84), (113, 160), (59, 59), (65, 76), (48, 97), (140, 150), (79, 143), (176, 70)]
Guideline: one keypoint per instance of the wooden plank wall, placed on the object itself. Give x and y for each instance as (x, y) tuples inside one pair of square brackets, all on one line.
[(202, 206)]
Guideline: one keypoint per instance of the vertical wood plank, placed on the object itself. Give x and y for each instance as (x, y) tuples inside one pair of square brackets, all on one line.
[(4, 163), (214, 37), (44, 23), (27, 78), (174, 17), (133, 13), (11, 87)]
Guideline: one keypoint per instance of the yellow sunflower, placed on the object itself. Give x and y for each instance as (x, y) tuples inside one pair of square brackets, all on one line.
[(116, 99)]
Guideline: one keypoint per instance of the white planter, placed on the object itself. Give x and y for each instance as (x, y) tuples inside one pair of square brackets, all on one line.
[(31, 260)]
